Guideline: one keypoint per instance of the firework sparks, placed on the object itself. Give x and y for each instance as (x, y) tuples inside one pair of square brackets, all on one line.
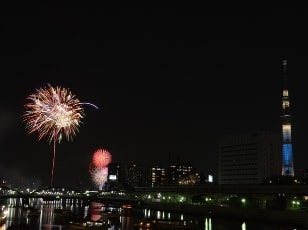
[(99, 176), (101, 158), (53, 112), (99, 167)]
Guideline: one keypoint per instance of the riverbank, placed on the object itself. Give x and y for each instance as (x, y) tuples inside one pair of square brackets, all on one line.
[(297, 218)]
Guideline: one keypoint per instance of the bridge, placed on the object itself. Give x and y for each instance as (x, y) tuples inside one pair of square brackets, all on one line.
[(258, 196), (60, 193)]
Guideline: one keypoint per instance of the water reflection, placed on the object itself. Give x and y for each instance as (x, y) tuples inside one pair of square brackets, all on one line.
[(58, 214), (35, 214), (95, 211), (208, 224)]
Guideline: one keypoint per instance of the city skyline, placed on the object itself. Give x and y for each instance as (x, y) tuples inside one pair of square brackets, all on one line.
[(166, 80)]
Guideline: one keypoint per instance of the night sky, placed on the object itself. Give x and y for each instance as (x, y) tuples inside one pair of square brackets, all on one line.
[(167, 81)]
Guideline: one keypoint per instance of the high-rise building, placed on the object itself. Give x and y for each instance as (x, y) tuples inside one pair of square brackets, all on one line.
[(249, 158), (134, 174), (181, 171), (115, 172), (287, 151), (157, 176)]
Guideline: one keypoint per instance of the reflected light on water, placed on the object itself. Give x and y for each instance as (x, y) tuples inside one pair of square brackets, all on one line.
[(162, 215), (243, 226), (95, 211), (158, 215), (49, 216), (126, 222), (148, 213), (208, 224)]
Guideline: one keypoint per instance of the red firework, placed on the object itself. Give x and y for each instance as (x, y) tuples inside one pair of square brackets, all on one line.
[(101, 158)]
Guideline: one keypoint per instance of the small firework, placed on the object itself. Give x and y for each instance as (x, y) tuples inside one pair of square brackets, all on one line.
[(99, 167), (99, 176), (101, 158)]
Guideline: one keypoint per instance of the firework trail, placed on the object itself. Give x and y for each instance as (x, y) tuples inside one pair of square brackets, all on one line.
[(53, 112)]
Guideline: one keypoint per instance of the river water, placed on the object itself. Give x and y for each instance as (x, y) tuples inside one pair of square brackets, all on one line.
[(49, 217)]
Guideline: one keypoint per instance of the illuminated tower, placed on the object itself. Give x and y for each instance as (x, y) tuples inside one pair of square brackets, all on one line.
[(287, 153)]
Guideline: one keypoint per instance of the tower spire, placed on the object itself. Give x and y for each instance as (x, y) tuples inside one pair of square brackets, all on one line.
[(287, 152), (285, 65)]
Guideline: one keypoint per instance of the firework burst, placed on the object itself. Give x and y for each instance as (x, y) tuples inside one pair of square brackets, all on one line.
[(99, 167), (101, 158), (99, 176), (53, 112)]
